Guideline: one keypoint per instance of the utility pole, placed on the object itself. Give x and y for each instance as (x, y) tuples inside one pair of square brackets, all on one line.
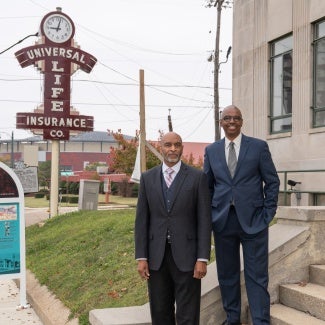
[(215, 57), (170, 124), (217, 4), (142, 144)]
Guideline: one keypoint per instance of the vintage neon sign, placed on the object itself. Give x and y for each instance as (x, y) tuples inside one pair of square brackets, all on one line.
[(57, 54)]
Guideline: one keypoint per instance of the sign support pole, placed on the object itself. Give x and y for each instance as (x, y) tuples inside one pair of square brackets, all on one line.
[(54, 191)]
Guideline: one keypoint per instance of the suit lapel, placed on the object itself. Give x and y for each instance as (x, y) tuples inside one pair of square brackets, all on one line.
[(221, 152), (179, 180), (157, 182), (242, 152), (220, 156)]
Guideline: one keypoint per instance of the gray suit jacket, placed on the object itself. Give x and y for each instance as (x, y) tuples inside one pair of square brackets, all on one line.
[(189, 219)]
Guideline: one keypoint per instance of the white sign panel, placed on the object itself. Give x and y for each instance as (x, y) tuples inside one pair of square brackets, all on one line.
[(28, 179)]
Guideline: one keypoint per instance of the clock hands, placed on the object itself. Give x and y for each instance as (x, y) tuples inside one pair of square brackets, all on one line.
[(57, 28)]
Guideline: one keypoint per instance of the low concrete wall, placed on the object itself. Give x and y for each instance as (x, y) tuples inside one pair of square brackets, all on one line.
[(296, 241)]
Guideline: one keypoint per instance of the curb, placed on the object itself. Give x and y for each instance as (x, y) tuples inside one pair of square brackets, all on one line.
[(49, 309)]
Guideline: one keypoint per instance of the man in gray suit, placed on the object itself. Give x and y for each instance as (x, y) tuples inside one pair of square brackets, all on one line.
[(173, 235)]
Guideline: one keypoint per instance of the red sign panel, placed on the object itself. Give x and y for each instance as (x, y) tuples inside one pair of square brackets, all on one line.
[(56, 122), (55, 127), (40, 121), (29, 55)]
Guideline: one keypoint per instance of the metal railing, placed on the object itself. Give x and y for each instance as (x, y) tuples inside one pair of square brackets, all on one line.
[(287, 191)]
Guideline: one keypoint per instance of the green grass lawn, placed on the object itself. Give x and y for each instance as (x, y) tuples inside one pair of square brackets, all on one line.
[(86, 259)]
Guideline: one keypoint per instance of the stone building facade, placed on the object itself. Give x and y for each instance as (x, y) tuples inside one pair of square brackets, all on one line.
[(279, 84)]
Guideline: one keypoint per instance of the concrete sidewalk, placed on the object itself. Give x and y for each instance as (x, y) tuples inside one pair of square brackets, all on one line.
[(9, 301)]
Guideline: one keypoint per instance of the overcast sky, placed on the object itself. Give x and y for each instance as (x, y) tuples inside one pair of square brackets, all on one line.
[(170, 40)]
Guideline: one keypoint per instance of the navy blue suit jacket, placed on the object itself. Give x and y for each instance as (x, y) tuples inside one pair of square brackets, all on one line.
[(254, 188)]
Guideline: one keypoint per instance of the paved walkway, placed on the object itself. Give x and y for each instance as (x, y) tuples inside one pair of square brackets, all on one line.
[(9, 301)]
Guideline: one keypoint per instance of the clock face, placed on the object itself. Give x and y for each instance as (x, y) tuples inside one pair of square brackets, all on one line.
[(57, 28)]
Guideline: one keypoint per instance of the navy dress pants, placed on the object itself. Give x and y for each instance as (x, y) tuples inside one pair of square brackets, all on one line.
[(255, 256)]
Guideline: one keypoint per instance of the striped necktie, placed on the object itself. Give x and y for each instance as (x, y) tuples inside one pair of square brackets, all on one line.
[(168, 176)]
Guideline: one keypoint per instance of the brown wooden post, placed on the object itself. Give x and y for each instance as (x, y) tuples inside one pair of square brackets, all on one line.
[(142, 125)]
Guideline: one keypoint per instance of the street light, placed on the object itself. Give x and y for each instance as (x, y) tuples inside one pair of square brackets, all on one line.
[(12, 147)]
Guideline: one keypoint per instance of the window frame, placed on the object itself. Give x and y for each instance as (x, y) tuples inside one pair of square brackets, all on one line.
[(273, 118), (315, 109)]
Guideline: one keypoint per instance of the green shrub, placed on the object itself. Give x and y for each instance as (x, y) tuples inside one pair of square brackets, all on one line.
[(135, 190), (74, 188), (39, 195), (44, 190), (101, 187), (114, 188), (64, 198), (73, 199)]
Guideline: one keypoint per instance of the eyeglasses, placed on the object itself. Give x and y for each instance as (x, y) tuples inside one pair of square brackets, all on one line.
[(228, 118)]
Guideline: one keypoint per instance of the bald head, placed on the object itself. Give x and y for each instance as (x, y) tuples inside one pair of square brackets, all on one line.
[(171, 148), (231, 108), (170, 135), (231, 121)]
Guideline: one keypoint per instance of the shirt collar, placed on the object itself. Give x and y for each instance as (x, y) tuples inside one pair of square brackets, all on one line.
[(236, 141), (176, 167)]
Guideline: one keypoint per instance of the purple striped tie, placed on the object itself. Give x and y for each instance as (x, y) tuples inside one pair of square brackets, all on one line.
[(168, 176)]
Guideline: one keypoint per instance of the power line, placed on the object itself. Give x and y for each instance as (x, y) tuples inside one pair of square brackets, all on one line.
[(36, 34), (120, 83), (109, 104), (136, 47)]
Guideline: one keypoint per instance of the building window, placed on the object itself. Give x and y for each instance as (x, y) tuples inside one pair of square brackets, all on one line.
[(319, 75), (281, 85)]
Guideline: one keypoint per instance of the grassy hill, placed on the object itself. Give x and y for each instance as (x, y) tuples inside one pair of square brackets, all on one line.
[(86, 259)]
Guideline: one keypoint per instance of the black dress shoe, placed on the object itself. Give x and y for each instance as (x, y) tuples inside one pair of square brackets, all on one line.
[(227, 323)]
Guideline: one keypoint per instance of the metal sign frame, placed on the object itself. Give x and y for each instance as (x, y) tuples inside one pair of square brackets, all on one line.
[(17, 205)]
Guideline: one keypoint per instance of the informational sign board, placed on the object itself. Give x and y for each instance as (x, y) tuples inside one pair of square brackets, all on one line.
[(28, 178), (9, 238), (12, 229)]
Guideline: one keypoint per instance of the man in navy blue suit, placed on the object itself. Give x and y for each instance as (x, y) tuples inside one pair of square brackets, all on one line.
[(244, 190)]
